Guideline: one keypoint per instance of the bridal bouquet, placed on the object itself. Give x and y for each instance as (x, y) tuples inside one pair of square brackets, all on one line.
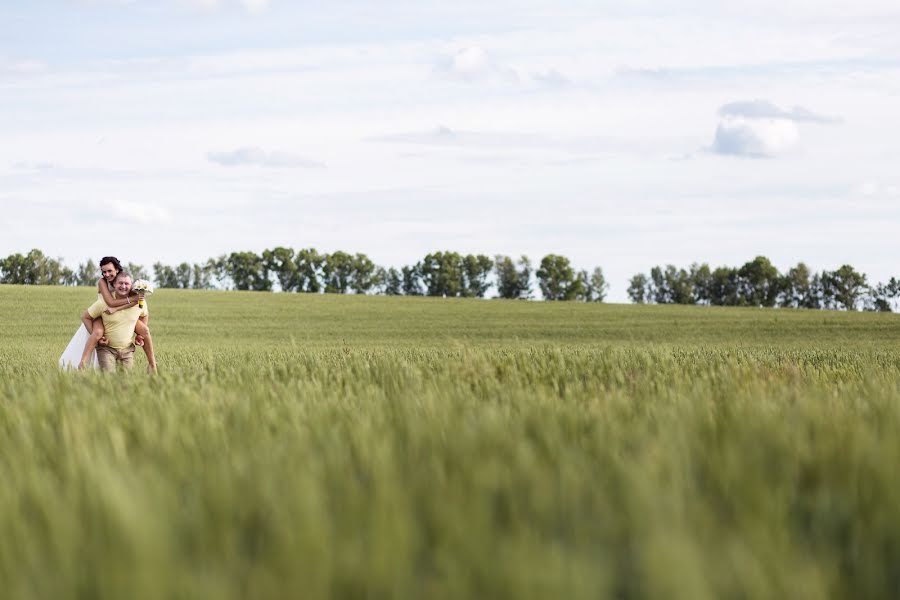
[(142, 286)]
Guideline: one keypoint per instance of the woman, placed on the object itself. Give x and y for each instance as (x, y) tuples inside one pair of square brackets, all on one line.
[(88, 340)]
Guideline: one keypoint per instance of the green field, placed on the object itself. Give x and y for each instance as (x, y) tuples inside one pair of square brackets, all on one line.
[(300, 446)]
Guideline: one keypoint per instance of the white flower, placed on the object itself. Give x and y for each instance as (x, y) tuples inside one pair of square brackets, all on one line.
[(142, 285)]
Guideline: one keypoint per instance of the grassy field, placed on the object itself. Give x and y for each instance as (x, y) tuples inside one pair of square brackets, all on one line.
[(298, 446)]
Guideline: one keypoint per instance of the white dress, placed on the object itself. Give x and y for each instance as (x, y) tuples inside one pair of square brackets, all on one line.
[(71, 356)]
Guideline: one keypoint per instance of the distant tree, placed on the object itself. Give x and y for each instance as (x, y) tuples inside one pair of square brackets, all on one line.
[(659, 287), (337, 272), (13, 269), (183, 275), (795, 287), (599, 285), (35, 268), (363, 277), (309, 270), (881, 296), (557, 279), (638, 289), (672, 285), (281, 262), (202, 275), (583, 286), (248, 271), (164, 276), (412, 280), (388, 281), (821, 293), (759, 283), (593, 287), (513, 281), (724, 288), (847, 285), (476, 273), (137, 271), (701, 280), (443, 274), (87, 274)]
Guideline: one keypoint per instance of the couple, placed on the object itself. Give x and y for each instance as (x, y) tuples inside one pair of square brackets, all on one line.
[(113, 325)]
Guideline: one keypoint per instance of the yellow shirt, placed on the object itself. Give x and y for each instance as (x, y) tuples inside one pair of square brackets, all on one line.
[(119, 326)]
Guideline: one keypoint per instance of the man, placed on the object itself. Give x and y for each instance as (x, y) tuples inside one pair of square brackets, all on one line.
[(119, 327), (109, 268)]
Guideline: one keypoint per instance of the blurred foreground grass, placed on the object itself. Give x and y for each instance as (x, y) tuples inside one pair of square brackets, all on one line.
[(324, 447)]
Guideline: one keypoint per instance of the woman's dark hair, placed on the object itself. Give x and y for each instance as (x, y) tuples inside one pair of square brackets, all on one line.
[(111, 259)]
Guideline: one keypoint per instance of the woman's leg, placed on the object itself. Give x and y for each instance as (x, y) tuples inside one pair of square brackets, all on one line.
[(142, 330), (97, 332)]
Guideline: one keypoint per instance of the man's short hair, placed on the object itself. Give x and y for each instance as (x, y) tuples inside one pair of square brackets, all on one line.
[(124, 274)]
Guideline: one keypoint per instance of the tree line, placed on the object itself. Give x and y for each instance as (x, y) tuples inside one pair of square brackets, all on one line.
[(444, 274), (759, 283), (451, 274)]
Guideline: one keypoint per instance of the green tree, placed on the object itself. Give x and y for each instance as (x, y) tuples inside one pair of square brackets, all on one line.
[(759, 282), (847, 286), (821, 294), (599, 286), (723, 289), (87, 274), (363, 277), (659, 287), (701, 283), (337, 271), (309, 270), (202, 274), (593, 287), (137, 271), (443, 274), (282, 262), (639, 289), (412, 280), (183, 275), (248, 271), (795, 287), (164, 276), (34, 268), (388, 281), (672, 285), (513, 281), (880, 296), (476, 272), (557, 279)]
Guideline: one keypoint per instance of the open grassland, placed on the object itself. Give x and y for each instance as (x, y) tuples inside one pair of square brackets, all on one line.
[(300, 446)]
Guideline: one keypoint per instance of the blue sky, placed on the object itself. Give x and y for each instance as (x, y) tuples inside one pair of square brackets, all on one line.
[(623, 137)]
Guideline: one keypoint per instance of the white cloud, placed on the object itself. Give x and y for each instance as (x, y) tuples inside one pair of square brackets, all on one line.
[(874, 189), (255, 6), (203, 4), (35, 166), (252, 156), (251, 6), (22, 67), (761, 129), (472, 64), (757, 138), (137, 213), (763, 109)]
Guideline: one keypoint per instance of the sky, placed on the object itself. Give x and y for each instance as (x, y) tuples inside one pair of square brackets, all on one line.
[(619, 134)]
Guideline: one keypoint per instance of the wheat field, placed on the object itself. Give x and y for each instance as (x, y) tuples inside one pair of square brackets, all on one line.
[(312, 446)]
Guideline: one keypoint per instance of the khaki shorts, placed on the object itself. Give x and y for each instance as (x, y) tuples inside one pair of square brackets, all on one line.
[(108, 357)]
